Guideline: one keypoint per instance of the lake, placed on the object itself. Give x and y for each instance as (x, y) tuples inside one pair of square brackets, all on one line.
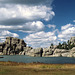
[(28, 59)]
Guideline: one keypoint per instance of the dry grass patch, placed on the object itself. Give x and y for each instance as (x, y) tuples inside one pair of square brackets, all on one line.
[(13, 68)]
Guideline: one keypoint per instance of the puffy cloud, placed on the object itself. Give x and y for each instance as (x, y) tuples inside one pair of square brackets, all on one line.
[(51, 26), (25, 12), (41, 39), (66, 26), (20, 17), (27, 27), (33, 26), (4, 34), (67, 32)]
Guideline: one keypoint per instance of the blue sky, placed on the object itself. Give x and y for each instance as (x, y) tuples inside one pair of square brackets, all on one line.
[(38, 22)]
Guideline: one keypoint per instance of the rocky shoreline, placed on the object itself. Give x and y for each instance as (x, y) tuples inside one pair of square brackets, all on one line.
[(15, 46)]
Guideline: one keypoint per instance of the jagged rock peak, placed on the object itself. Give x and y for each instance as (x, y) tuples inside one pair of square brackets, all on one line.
[(12, 46), (12, 40)]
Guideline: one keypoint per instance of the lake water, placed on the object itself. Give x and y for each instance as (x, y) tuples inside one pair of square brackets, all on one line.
[(27, 59)]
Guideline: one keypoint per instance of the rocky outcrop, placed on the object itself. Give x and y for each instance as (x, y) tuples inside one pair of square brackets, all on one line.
[(64, 53), (13, 46), (26, 51), (32, 52), (47, 52), (35, 52)]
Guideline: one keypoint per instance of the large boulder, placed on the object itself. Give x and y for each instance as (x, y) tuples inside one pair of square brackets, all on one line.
[(36, 52), (57, 55), (26, 51), (22, 53), (47, 52), (73, 54), (67, 54), (73, 49), (60, 51)]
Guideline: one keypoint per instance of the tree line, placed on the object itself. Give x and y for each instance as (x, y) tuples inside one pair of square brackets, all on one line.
[(65, 45)]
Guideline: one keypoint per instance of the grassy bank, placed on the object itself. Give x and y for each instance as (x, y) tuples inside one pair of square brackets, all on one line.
[(13, 68)]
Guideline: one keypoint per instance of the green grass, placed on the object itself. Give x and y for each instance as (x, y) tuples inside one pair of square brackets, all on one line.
[(12, 68)]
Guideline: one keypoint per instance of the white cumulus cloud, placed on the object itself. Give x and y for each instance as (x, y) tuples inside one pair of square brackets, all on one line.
[(27, 27), (41, 39), (26, 12), (66, 26), (23, 17), (51, 26), (67, 32), (4, 34)]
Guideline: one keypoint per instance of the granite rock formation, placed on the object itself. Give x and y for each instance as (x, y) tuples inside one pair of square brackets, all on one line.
[(12, 46), (15, 46)]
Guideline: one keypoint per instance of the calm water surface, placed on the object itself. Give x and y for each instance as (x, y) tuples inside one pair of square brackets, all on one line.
[(27, 59)]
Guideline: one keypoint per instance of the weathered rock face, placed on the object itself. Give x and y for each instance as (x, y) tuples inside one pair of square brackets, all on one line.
[(60, 51), (72, 40), (12, 46), (73, 49), (26, 51), (35, 52), (48, 52)]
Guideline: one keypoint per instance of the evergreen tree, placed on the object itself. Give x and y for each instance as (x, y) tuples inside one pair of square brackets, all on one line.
[(59, 46), (51, 44)]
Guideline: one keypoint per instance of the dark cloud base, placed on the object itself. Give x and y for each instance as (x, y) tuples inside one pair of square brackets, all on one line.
[(14, 21), (30, 2)]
